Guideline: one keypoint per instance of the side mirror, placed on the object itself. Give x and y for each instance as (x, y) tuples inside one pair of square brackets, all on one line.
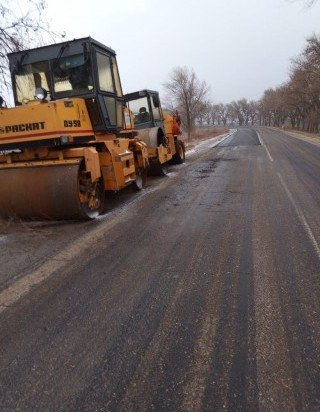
[(156, 100)]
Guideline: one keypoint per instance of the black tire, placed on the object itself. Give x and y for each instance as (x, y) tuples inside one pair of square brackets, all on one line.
[(180, 155), (158, 169)]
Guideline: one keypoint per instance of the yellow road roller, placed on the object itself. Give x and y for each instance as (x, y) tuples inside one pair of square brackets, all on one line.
[(60, 147), (157, 128)]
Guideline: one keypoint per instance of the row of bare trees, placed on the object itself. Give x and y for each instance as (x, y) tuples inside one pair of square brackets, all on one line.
[(295, 103), (241, 112)]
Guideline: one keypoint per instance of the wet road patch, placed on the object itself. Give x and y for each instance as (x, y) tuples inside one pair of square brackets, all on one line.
[(243, 137)]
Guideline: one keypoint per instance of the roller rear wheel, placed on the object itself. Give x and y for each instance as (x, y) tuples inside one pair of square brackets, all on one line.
[(158, 169)]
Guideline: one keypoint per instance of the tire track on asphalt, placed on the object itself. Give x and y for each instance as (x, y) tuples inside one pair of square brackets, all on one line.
[(274, 370), (153, 305), (199, 370), (296, 331), (243, 389), (234, 359), (184, 338)]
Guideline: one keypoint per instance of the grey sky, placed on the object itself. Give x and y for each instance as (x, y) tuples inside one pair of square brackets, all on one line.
[(240, 47)]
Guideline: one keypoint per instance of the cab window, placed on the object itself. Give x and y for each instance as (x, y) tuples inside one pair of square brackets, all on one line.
[(155, 111), (72, 76), (28, 78), (105, 73), (116, 77), (140, 110)]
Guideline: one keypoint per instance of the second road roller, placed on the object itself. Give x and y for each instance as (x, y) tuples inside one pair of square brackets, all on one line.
[(157, 128)]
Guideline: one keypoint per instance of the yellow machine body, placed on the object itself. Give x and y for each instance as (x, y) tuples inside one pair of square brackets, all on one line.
[(160, 153), (70, 137), (67, 120), (158, 129), (105, 158), (39, 120)]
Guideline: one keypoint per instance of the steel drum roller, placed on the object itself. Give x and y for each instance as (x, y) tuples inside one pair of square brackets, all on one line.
[(45, 192)]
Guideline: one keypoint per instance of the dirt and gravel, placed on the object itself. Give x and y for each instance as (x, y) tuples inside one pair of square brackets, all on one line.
[(201, 293)]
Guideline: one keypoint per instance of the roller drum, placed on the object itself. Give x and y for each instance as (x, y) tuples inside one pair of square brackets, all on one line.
[(47, 192)]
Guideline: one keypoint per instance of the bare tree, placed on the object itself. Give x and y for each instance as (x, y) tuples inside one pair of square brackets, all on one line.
[(204, 113), (21, 27), (187, 94), (236, 110), (233, 112), (200, 118), (296, 102), (214, 113), (208, 115), (273, 107), (223, 113), (253, 111), (243, 111)]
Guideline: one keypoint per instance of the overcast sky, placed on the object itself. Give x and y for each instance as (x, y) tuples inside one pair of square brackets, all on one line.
[(240, 47)]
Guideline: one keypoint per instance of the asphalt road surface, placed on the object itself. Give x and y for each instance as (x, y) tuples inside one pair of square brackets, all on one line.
[(202, 294)]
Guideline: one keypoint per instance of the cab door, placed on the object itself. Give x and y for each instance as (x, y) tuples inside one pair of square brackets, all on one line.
[(109, 90)]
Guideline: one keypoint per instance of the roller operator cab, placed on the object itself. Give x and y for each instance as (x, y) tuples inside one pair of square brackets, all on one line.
[(157, 128), (80, 68), (59, 148), (146, 108), (147, 114)]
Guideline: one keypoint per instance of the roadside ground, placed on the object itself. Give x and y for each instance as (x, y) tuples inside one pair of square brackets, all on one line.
[(311, 137), (202, 134)]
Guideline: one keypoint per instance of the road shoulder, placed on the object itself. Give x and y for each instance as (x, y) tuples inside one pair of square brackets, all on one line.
[(310, 138)]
